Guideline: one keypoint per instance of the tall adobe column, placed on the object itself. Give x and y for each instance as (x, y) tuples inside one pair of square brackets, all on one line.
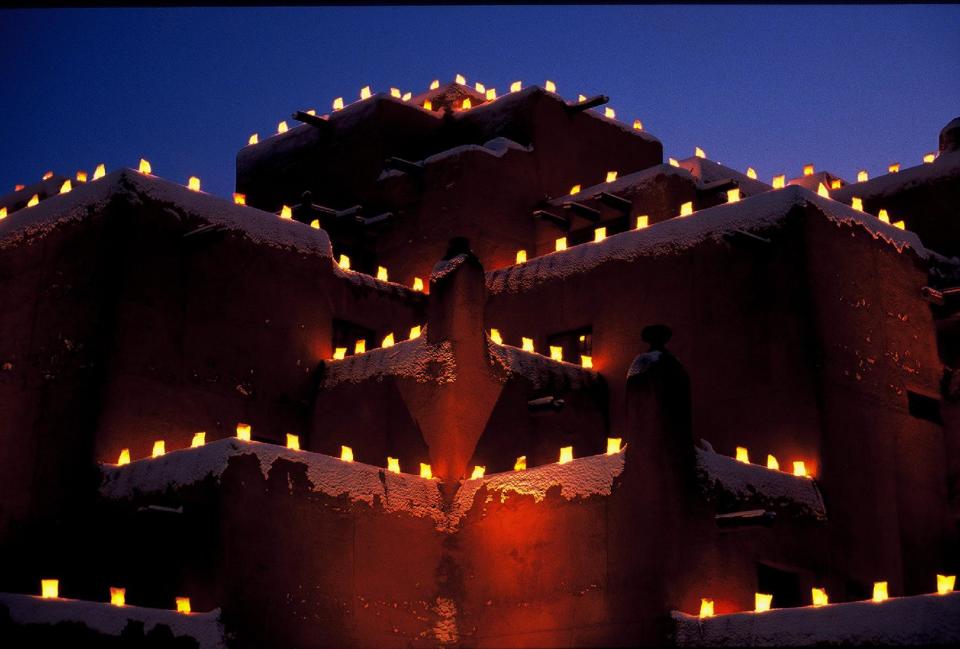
[(452, 416)]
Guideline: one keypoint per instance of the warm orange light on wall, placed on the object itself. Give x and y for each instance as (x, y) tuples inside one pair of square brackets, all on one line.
[(286, 212), (3, 213), (560, 244), (159, 448), (697, 151), (81, 176), (835, 183), (686, 209), (466, 104), (526, 344), (253, 139), (599, 235), (856, 203), (762, 601), (124, 457), (282, 127), (346, 453), (360, 346), (462, 80), (434, 84), (382, 274), (751, 173), (521, 256), (586, 362), (520, 464), (393, 465), (673, 162), (34, 200), (388, 340), (183, 604), (339, 353), (199, 439), (550, 86), (243, 432), (239, 199), (100, 171), (733, 195), (193, 183), (495, 336), (145, 167), (945, 584), (365, 92), (772, 463), (883, 216), (899, 224), (566, 455), (556, 352), (395, 93), (613, 445), (575, 190), (417, 284), (315, 224), (293, 442), (819, 596), (17, 188), (779, 182), (49, 588), (47, 176), (799, 469), (643, 221), (743, 455), (706, 607), (414, 332), (66, 187), (118, 596), (879, 591), (516, 86), (930, 157), (478, 472), (807, 170), (425, 471), (344, 262), (637, 125), (581, 98), (894, 168), (428, 105), (611, 176), (491, 94), (823, 191), (610, 113), (338, 104), (862, 176)]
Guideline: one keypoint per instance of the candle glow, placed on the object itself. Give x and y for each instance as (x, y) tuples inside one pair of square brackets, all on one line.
[(243, 432), (566, 455)]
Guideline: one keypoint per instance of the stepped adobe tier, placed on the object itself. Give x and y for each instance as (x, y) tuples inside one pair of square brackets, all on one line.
[(463, 369)]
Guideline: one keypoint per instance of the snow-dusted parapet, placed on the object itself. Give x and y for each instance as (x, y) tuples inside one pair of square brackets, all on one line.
[(540, 370), (111, 620), (919, 620), (91, 198), (415, 359), (496, 147), (396, 493), (731, 481), (945, 168), (581, 478), (674, 236), (626, 185), (708, 171)]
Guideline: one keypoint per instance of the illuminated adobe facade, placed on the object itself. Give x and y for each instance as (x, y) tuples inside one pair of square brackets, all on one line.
[(527, 275)]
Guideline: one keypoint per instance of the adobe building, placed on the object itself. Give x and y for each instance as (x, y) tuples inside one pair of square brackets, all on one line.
[(468, 370)]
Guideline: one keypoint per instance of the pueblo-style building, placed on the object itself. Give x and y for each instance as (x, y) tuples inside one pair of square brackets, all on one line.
[(463, 369)]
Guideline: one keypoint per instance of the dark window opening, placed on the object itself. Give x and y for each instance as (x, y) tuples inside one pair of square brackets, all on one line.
[(782, 584), (924, 407), (346, 334), (575, 344)]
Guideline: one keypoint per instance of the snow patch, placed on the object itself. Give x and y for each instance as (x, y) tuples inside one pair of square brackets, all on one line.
[(446, 266), (624, 184), (708, 171), (757, 484), (540, 370), (918, 620), (91, 198), (583, 477), (328, 475), (417, 359), (677, 235), (107, 619), (496, 147)]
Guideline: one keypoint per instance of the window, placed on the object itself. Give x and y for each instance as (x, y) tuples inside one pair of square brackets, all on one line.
[(576, 343), (346, 334), (923, 407), (784, 585)]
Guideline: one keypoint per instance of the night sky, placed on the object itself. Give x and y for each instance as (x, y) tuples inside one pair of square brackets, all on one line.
[(841, 87)]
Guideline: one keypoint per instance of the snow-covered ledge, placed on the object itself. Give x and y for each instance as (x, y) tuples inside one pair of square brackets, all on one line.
[(107, 619), (758, 485), (397, 492), (905, 621)]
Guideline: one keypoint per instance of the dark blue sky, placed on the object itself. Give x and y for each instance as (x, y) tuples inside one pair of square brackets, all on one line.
[(773, 87)]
